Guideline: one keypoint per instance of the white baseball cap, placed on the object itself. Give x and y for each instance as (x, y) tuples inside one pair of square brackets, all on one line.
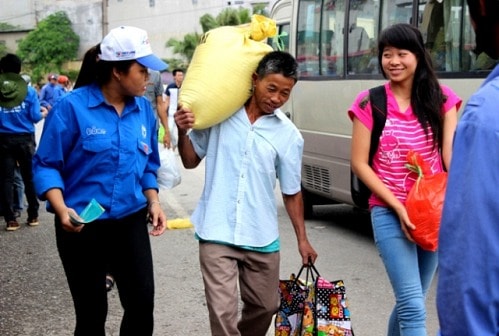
[(130, 43)]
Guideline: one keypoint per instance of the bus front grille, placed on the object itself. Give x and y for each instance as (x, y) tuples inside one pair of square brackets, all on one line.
[(317, 178)]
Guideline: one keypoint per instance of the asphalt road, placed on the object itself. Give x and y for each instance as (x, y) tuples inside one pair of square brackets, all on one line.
[(35, 299)]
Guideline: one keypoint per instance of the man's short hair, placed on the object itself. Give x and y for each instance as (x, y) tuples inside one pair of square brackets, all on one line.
[(278, 62), (10, 63), (174, 72)]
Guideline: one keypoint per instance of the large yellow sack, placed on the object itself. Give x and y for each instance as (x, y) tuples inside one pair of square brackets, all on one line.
[(218, 80)]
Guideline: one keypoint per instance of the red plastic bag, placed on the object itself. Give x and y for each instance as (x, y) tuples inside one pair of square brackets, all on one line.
[(425, 202)]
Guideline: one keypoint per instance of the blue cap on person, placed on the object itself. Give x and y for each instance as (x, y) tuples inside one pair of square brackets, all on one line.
[(130, 43)]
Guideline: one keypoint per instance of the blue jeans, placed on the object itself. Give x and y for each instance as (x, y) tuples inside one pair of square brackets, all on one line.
[(18, 191), (410, 270)]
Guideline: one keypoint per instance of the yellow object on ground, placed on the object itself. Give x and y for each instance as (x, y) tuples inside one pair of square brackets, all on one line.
[(179, 223), (218, 81)]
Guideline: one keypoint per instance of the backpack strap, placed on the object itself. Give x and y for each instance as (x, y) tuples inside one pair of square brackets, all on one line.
[(377, 99)]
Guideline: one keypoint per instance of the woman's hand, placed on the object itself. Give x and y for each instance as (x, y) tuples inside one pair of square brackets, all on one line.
[(157, 218), (405, 223), (67, 224), (167, 140)]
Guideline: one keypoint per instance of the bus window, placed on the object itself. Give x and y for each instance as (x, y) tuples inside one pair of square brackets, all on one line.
[(333, 17), (362, 36), (448, 36), (396, 11), (431, 26), (307, 39), (281, 42)]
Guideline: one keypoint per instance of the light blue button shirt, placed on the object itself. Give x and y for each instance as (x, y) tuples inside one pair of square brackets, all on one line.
[(238, 204), (89, 151), (468, 279)]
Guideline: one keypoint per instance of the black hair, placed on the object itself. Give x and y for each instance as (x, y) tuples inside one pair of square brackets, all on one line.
[(484, 22), (174, 72), (278, 62), (427, 97), (10, 63), (97, 71)]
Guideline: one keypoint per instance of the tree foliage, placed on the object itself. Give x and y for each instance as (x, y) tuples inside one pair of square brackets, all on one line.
[(208, 22), (228, 17), (176, 63), (260, 9), (5, 26), (3, 50), (51, 44), (186, 46)]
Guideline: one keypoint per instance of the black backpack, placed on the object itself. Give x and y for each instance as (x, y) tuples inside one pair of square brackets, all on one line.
[(377, 98)]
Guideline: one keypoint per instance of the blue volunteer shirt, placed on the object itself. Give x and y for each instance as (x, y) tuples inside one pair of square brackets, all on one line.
[(238, 205), (21, 119), (468, 280), (89, 151), (48, 94)]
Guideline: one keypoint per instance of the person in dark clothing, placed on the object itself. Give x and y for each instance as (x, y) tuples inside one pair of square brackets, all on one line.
[(19, 111)]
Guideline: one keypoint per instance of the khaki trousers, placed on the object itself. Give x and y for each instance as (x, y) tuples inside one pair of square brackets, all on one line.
[(257, 274)]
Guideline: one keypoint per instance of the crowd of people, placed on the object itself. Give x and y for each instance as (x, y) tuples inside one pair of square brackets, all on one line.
[(100, 146)]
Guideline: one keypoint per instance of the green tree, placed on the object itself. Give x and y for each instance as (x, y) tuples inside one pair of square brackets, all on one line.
[(228, 17), (260, 9), (4, 26), (175, 63), (3, 50), (49, 46), (185, 47), (208, 22)]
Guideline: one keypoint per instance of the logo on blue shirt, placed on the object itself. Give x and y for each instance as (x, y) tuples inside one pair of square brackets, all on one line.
[(95, 131)]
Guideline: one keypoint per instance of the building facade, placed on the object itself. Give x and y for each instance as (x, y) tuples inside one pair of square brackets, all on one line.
[(92, 19)]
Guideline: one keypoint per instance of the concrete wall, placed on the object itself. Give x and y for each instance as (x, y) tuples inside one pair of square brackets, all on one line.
[(85, 16), (162, 19)]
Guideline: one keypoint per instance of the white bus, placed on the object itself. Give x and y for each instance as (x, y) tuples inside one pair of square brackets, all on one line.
[(334, 42)]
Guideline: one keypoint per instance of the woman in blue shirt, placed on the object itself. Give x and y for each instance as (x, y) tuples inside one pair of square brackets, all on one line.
[(100, 142)]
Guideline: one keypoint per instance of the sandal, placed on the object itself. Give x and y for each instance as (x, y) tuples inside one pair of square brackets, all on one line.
[(109, 282)]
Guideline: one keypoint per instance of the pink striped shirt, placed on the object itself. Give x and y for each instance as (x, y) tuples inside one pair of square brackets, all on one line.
[(402, 132)]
